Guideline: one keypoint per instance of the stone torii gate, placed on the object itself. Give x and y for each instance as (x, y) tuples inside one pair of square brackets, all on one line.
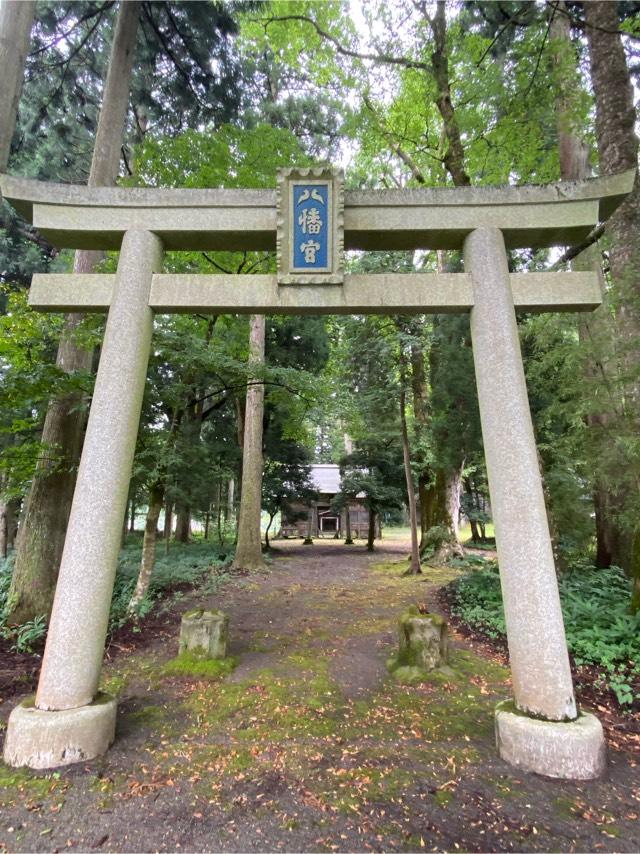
[(542, 729)]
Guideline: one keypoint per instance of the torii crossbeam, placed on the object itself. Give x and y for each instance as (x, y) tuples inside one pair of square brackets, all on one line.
[(69, 721)]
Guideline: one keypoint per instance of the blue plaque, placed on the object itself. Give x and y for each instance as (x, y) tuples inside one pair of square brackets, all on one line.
[(310, 226)]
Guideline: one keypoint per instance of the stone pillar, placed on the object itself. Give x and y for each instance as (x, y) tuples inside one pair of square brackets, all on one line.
[(542, 683), (549, 738), (78, 625)]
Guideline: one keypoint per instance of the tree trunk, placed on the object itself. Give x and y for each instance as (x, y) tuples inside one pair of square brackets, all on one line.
[(183, 525), (423, 506), (454, 483), (219, 515), (348, 541), (16, 20), (9, 509), (371, 535), (168, 525), (437, 506), (266, 533), (132, 519), (454, 154), (572, 147), (635, 574), (4, 529), (574, 166), (249, 549), (444, 504), (308, 541), (618, 151), (421, 425), (414, 566), (230, 500), (207, 519), (472, 508), (156, 496), (453, 158), (48, 505), (13, 516)]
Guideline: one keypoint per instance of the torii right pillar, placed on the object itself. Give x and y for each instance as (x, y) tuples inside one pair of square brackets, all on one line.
[(542, 729)]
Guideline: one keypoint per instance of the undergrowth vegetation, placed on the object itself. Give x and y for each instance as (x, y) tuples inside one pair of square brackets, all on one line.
[(595, 602), (200, 564)]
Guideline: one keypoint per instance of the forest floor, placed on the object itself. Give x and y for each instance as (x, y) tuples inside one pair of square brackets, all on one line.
[(308, 745)]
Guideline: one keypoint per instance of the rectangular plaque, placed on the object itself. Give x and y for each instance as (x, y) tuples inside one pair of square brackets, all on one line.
[(310, 226)]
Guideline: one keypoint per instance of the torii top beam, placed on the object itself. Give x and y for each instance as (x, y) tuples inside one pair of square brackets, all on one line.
[(77, 217)]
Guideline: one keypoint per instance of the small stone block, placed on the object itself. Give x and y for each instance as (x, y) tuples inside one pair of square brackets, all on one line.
[(567, 750), (424, 640), (41, 739), (204, 634)]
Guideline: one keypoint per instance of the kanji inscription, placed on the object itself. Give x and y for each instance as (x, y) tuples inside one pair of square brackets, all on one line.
[(310, 226)]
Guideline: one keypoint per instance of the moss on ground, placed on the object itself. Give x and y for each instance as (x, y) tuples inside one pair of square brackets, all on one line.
[(22, 784), (151, 715), (294, 716), (347, 752), (565, 807), (144, 669), (439, 575), (285, 742), (191, 664), (443, 796)]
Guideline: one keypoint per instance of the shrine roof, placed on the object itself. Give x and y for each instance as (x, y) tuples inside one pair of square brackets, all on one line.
[(326, 478)]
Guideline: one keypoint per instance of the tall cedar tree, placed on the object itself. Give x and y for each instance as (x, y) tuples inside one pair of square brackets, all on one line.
[(617, 152), (44, 524), (171, 51)]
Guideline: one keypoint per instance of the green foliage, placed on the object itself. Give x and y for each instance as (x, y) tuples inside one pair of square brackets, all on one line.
[(600, 630), (470, 561), (29, 635), (279, 54), (198, 564), (28, 378), (229, 157), (364, 373)]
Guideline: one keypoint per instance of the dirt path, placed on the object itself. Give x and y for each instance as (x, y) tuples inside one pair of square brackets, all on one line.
[(308, 745)]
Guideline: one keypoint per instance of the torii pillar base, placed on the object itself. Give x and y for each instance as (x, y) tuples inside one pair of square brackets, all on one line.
[(566, 750), (40, 739)]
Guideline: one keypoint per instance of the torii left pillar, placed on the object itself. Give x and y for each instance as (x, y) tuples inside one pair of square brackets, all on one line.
[(70, 721)]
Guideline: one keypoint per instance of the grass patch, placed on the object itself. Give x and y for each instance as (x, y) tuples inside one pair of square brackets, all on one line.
[(188, 664)]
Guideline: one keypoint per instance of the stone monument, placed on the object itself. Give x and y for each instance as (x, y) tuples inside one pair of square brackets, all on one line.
[(423, 645), (204, 634)]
